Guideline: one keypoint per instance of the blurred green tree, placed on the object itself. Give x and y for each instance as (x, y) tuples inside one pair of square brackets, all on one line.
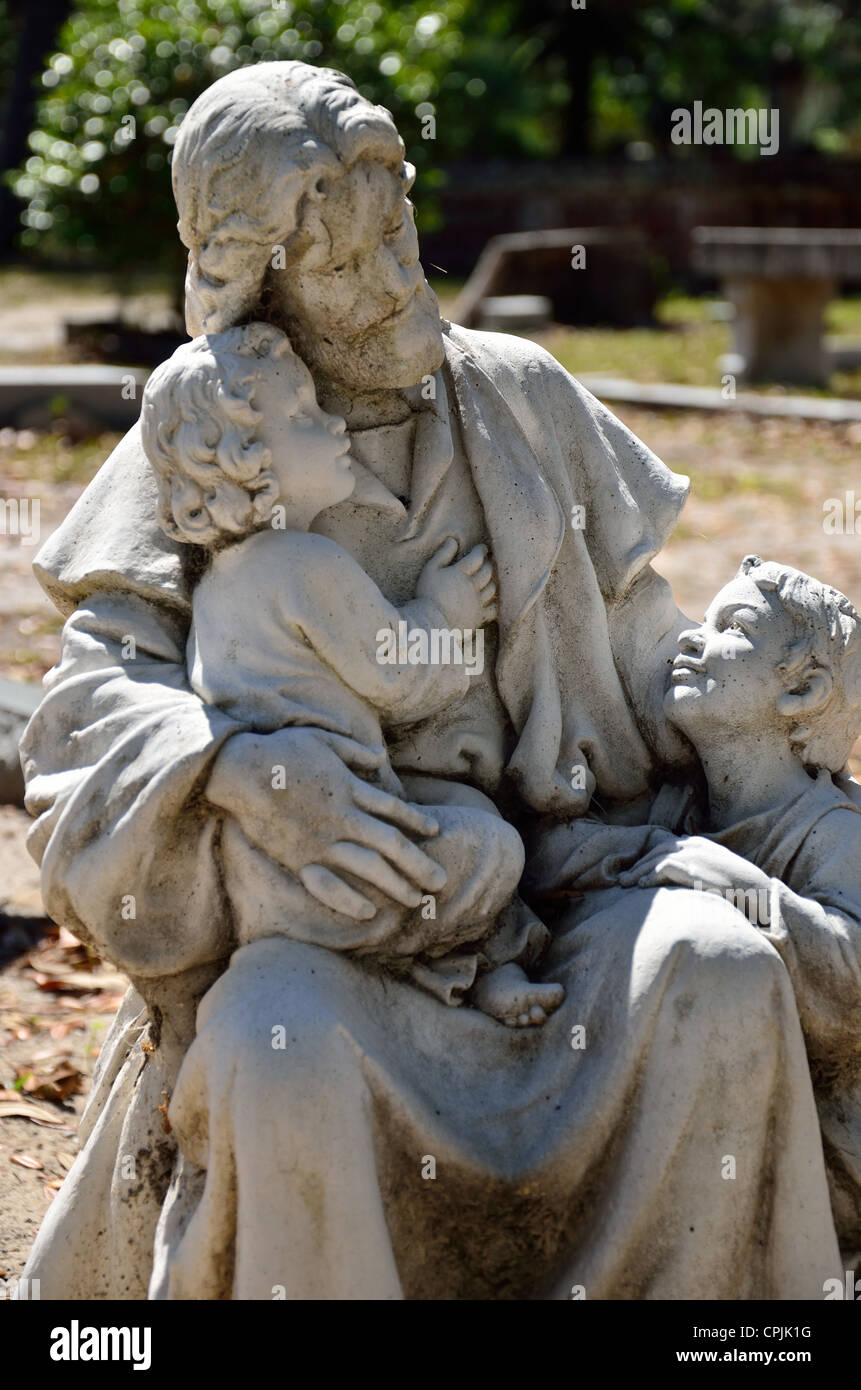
[(96, 183), (801, 56), (25, 37)]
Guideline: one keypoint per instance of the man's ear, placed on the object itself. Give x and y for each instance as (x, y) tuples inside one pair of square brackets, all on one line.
[(812, 691)]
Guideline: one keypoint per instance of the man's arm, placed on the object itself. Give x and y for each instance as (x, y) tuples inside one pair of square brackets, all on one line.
[(129, 775), (116, 760)]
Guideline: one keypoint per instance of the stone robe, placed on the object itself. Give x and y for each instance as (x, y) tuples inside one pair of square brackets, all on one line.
[(301, 1167)]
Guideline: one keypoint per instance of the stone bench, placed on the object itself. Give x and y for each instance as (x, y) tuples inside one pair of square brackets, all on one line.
[(109, 397), (779, 280), (617, 284)]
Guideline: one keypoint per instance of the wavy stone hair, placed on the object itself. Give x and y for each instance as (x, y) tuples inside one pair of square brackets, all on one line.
[(828, 637), (251, 156), (199, 432)]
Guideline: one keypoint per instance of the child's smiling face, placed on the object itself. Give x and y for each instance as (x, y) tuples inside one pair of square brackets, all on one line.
[(726, 672), (309, 448)]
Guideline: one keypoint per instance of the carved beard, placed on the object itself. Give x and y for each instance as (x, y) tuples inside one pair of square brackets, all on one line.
[(389, 355)]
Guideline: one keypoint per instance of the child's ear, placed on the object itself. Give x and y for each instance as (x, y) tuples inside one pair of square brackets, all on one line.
[(266, 494), (812, 691)]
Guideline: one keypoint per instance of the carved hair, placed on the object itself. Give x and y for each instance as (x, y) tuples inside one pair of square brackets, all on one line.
[(828, 637), (199, 431), (252, 154)]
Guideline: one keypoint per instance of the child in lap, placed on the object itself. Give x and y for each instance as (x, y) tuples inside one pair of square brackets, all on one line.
[(288, 629)]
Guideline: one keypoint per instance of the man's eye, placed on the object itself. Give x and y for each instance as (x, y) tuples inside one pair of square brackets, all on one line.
[(396, 231), (734, 626)]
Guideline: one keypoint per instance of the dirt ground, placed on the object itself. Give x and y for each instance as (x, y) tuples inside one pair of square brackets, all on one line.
[(56, 1003), (758, 485)]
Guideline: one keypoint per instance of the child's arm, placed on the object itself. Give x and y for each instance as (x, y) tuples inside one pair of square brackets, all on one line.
[(576, 855), (352, 626), (815, 925)]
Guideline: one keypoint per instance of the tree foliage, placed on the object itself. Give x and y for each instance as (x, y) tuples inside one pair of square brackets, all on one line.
[(528, 78), (124, 74)]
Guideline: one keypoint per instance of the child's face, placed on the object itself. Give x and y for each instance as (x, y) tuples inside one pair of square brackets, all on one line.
[(309, 448), (725, 675)]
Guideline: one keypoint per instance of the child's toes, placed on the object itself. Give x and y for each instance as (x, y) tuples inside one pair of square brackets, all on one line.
[(551, 997), (537, 1014)]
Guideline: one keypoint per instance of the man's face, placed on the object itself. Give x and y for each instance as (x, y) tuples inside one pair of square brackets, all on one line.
[(355, 302)]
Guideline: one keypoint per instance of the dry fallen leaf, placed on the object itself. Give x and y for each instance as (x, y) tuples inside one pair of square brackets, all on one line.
[(62, 1080), (81, 981), (64, 1159), (25, 1161), (23, 1109), (110, 1003), (44, 1053)]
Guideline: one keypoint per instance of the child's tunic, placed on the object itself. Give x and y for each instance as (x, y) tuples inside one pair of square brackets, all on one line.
[(811, 851)]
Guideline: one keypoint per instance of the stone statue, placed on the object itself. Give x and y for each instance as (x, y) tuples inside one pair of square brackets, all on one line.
[(304, 854)]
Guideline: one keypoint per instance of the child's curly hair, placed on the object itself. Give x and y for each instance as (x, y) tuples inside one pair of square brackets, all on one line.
[(199, 430), (828, 629)]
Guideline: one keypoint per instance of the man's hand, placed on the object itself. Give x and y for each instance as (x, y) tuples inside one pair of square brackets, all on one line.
[(695, 862), (326, 819)]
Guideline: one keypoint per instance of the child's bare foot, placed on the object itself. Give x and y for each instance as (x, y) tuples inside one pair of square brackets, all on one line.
[(508, 995)]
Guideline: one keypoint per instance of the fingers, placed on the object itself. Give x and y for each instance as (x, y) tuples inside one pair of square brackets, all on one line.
[(333, 893), (370, 866), (643, 866), (483, 576), (642, 876), (407, 858), (473, 562), (666, 871), (652, 876), (391, 808), (354, 754), (647, 881), (490, 613), (446, 552)]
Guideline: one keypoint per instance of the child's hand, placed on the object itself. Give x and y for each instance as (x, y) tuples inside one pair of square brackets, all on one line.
[(464, 591), (695, 862)]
